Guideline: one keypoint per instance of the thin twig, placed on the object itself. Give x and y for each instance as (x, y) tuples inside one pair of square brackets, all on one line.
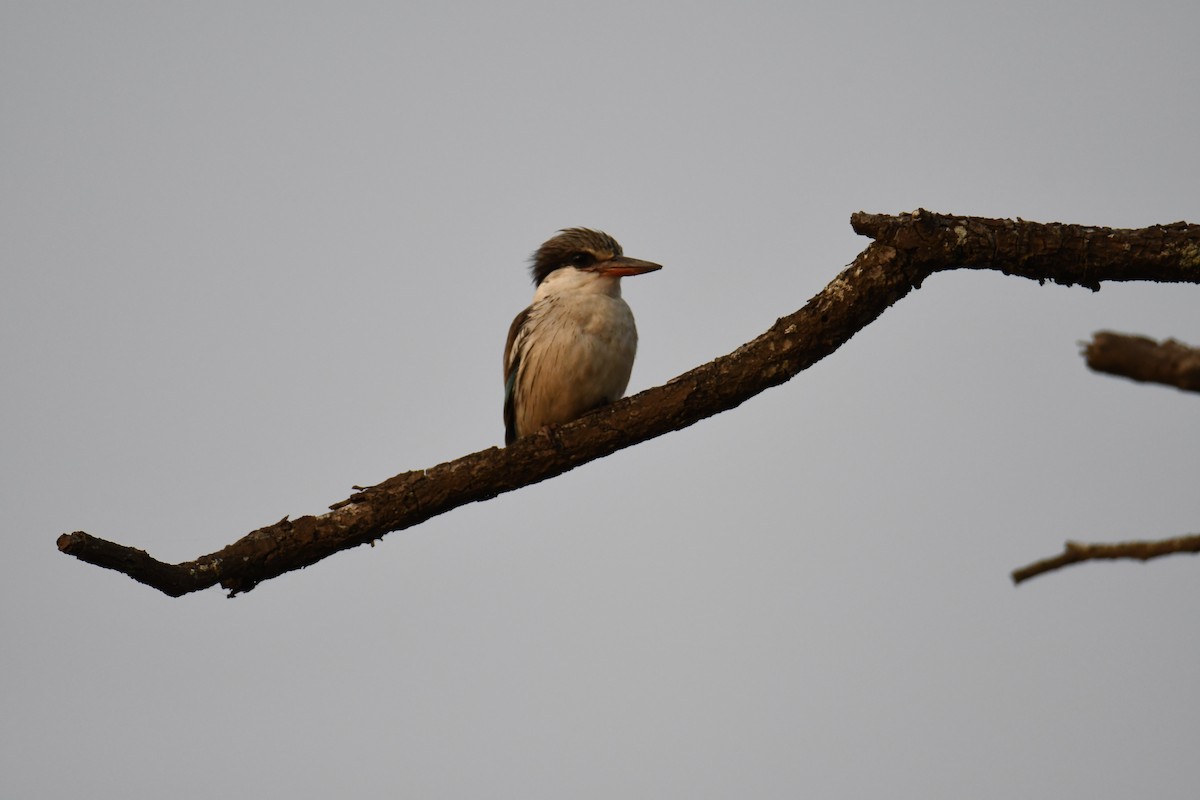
[(1075, 552)]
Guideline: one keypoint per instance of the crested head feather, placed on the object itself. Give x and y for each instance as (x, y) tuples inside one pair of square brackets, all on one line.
[(572, 247)]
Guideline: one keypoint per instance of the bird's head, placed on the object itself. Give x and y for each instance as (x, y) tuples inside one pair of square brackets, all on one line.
[(587, 251)]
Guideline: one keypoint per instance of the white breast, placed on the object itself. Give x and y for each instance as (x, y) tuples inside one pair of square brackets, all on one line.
[(576, 350)]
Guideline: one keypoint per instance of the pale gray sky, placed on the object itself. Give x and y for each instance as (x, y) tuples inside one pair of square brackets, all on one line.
[(255, 253)]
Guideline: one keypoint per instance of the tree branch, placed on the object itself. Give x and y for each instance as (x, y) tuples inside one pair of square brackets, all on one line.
[(1076, 552), (908, 248), (1141, 359)]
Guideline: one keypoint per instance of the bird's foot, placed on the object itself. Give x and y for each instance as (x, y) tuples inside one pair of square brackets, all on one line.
[(550, 432)]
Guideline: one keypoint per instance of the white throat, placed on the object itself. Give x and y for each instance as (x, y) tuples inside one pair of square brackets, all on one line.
[(569, 280)]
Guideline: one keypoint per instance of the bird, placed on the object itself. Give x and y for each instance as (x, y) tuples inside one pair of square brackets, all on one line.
[(571, 351)]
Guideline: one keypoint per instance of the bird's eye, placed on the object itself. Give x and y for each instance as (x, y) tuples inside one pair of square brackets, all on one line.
[(580, 259)]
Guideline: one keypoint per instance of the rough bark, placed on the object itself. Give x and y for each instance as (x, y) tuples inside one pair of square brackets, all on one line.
[(1142, 359), (908, 248)]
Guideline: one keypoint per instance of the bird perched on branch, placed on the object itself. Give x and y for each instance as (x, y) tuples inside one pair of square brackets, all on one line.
[(572, 350)]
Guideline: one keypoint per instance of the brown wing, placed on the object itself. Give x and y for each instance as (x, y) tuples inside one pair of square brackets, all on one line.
[(512, 365), (512, 335)]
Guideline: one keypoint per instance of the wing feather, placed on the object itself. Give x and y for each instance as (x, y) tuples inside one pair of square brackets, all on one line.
[(512, 367)]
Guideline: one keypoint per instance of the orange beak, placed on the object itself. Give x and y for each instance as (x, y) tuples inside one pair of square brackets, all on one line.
[(621, 267)]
